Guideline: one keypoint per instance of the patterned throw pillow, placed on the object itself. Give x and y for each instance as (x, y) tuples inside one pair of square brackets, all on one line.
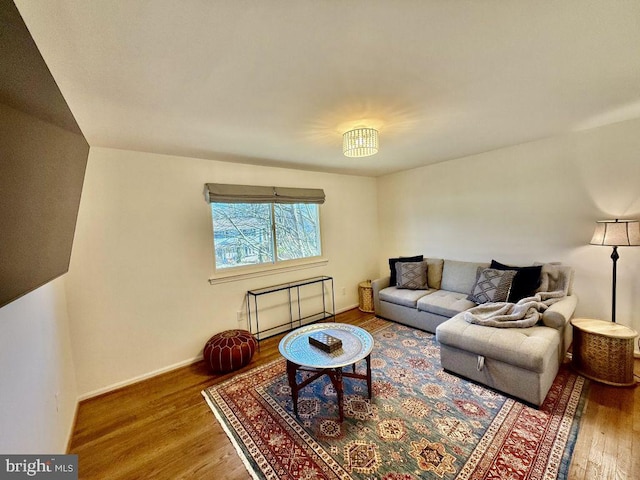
[(491, 285), (393, 281), (411, 275)]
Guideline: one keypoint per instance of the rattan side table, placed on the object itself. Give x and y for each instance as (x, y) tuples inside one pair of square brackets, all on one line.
[(603, 351), (365, 297)]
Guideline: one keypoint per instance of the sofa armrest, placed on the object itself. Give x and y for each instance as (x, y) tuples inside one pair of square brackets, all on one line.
[(376, 286), (559, 314)]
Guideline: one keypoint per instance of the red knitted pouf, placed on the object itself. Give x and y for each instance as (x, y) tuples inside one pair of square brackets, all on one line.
[(229, 350)]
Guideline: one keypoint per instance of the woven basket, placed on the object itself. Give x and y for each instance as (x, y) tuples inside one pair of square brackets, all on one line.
[(603, 352), (365, 297)]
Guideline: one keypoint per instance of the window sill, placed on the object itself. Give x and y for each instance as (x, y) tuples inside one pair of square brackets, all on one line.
[(263, 272)]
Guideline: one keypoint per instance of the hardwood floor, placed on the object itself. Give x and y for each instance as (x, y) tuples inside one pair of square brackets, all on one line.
[(162, 428)]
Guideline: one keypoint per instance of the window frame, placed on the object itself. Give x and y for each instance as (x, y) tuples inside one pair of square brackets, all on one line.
[(221, 193)]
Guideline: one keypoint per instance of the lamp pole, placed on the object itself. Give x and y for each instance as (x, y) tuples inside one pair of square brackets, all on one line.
[(614, 257)]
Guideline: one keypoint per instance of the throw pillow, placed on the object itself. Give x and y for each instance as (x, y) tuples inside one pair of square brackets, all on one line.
[(392, 266), (412, 275), (491, 285), (525, 283)]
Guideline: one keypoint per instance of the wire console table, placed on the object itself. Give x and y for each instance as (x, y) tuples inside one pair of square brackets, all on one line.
[(294, 304)]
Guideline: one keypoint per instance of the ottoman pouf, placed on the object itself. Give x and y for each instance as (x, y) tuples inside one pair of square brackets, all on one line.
[(229, 350)]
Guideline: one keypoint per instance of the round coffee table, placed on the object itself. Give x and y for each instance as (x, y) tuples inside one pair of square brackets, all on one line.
[(301, 356)]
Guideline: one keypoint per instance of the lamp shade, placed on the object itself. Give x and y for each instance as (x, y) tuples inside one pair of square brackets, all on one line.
[(617, 233), (360, 142)]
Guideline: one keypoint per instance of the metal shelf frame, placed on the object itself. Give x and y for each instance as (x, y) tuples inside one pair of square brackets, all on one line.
[(294, 322)]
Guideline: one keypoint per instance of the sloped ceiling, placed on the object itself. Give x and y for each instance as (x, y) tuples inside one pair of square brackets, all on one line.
[(277, 82)]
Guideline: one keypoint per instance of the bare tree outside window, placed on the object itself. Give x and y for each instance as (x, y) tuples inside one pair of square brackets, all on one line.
[(297, 231), (259, 233)]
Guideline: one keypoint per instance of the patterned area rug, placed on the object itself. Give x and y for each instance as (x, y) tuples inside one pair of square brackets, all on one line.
[(421, 422)]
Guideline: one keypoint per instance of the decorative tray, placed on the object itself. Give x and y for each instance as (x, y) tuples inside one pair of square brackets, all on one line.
[(357, 343)]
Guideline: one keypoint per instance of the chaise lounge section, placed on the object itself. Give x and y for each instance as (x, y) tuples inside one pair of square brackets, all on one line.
[(521, 362)]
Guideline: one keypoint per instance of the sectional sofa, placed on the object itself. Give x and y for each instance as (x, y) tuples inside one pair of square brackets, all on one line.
[(521, 362)]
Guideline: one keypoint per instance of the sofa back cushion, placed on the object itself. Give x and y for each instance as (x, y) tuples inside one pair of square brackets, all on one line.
[(460, 276), (434, 272), (556, 277)]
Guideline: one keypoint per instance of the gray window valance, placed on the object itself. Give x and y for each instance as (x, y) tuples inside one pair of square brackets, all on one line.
[(224, 193)]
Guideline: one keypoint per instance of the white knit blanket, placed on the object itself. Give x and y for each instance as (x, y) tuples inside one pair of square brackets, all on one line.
[(526, 313)]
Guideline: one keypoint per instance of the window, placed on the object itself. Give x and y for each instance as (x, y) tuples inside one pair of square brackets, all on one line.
[(254, 226)]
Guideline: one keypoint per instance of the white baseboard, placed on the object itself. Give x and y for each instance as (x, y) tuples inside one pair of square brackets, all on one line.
[(145, 376), (139, 378), (350, 307), (72, 427)]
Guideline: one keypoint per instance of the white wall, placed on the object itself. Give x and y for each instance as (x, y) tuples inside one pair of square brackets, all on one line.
[(532, 202), (138, 291), (36, 365)]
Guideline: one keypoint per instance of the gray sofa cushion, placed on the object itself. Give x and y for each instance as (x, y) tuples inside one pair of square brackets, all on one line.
[(460, 276), (527, 348), (399, 296), (434, 272), (559, 314), (445, 303), (556, 277)]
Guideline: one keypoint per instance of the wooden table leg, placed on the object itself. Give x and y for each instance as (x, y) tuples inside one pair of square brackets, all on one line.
[(291, 376), (336, 379), (368, 359), (335, 375)]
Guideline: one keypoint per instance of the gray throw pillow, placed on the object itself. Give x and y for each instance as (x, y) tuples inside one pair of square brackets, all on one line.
[(411, 275), (491, 285)]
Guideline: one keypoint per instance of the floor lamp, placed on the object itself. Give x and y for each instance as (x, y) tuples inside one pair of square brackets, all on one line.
[(616, 233)]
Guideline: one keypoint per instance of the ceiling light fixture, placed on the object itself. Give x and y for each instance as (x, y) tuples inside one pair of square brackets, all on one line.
[(360, 142)]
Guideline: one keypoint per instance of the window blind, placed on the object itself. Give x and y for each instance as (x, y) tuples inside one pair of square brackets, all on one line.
[(225, 193)]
